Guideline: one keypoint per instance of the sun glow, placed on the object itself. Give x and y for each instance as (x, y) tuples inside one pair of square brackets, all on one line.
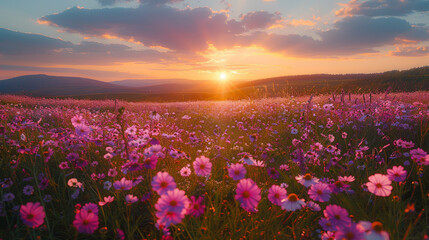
[(222, 77)]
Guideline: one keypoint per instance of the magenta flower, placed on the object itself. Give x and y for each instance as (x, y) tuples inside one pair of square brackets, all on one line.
[(86, 222), (320, 192), (162, 183), (174, 200), (150, 162), (397, 173), (379, 185), (91, 208), (202, 166), (82, 130), (123, 184), (237, 171), (276, 194), (32, 214), (292, 202), (196, 206), (337, 216), (307, 180), (248, 194), (350, 232)]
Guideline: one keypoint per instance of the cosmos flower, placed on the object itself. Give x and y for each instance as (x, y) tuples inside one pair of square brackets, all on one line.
[(307, 180), (150, 162), (248, 194), (349, 232), (86, 222), (276, 194), (107, 200), (320, 192), (337, 215), (374, 231), (82, 130), (171, 207), (196, 206), (379, 185), (28, 190), (185, 172), (123, 184), (202, 166), (162, 183), (32, 214), (273, 173), (129, 199), (237, 171), (292, 203), (91, 208), (397, 173), (77, 120)]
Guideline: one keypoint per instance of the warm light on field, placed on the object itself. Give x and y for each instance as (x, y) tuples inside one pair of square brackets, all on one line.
[(223, 77)]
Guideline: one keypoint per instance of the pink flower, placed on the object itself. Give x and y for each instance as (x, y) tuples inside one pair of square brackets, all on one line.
[(379, 185), (32, 214), (91, 208), (162, 183), (123, 184), (320, 192), (202, 166), (107, 200), (292, 202), (171, 207), (397, 173), (248, 194), (129, 199), (307, 180), (237, 171), (276, 194), (196, 206), (82, 130), (337, 216), (85, 222)]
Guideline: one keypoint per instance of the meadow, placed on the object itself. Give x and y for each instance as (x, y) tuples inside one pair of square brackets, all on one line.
[(319, 167)]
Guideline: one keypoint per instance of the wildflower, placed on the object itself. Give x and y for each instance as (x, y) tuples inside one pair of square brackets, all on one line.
[(86, 222), (129, 199), (202, 166), (162, 183), (421, 157), (77, 120), (337, 215), (64, 165), (123, 184), (150, 162), (273, 173), (276, 194), (379, 185), (237, 171), (171, 207), (28, 190), (248, 194), (107, 200), (350, 232), (284, 167), (196, 206), (373, 230), (112, 172), (397, 174), (82, 130), (7, 197), (107, 185), (306, 180), (346, 178), (313, 206), (320, 192), (91, 208), (292, 203), (32, 214), (185, 172), (247, 159)]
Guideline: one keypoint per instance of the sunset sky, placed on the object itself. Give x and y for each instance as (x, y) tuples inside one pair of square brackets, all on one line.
[(209, 39)]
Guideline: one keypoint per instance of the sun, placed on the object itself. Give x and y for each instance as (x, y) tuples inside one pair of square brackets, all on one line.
[(223, 76)]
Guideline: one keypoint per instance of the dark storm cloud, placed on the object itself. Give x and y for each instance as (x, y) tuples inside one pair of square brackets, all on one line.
[(383, 8)]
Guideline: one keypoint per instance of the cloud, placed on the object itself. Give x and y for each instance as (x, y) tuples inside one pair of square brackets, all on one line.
[(351, 35), (152, 2), (410, 51), (373, 8), (17, 47), (182, 30), (260, 19)]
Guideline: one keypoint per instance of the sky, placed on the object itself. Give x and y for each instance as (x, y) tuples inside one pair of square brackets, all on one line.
[(210, 39)]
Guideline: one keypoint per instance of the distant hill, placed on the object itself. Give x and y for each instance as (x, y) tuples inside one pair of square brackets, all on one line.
[(150, 82), (184, 89)]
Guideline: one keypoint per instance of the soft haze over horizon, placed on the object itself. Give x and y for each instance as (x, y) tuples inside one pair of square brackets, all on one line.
[(234, 39)]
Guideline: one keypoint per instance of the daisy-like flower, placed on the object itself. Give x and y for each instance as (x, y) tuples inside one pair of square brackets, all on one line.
[(162, 183), (248, 194), (150, 162), (202, 166), (185, 171), (107, 185), (379, 185), (91, 208), (307, 180), (346, 178), (77, 120), (7, 197), (276, 194), (247, 159), (112, 172), (174, 201), (82, 130), (292, 202), (397, 173), (196, 206), (123, 184), (313, 206), (32, 214), (64, 165), (86, 222), (349, 232), (237, 171), (320, 192), (373, 230), (28, 190), (107, 200), (337, 215), (129, 199), (73, 182)]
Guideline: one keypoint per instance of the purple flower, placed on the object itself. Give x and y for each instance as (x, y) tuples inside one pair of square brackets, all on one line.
[(123, 184), (163, 182), (337, 215), (248, 194), (237, 171), (320, 192)]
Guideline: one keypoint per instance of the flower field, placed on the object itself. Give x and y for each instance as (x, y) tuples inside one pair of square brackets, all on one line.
[(325, 167)]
